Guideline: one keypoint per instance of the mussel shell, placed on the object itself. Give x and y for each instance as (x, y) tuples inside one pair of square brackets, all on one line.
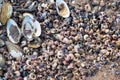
[(14, 50), (6, 12), (62, 8), (13, 31), (2, 60)]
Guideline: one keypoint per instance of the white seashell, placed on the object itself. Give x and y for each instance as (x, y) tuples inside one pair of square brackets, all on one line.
[(14, 50), (13, 31), (28, 14), (27, 28), (62, 8), (30, 27), (37, 29)]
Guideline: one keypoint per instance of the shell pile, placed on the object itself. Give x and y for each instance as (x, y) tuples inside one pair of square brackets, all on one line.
[(59, 39)]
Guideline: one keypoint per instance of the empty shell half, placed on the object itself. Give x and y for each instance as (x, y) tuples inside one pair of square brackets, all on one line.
[(30, 27), (14, 50), (62, 8), (6, 12), (13, 31)]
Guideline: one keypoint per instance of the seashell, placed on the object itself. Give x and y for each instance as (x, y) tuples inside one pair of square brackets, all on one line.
[(6, 12), (32, 76), (28, 3), (33, 5), (62, 8), (34, 44), (87, 7), (2, 60), (30, 27), (13, 31), (28, 14), (60, 54), (14, 50)]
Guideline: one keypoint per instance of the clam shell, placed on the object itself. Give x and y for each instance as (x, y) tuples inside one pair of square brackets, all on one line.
[(14, 50), (13, 31), (31, 25), (62, 8), (2, 60), (27, 28), (37, 29), (6, 12), (28, 14)]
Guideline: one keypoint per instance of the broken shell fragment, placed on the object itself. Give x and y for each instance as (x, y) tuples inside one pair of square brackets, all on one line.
[(35, 44), (62, 8), (14, 50), (6, 12), (30, 27), (2, 60), (28, 14), (13, 31)]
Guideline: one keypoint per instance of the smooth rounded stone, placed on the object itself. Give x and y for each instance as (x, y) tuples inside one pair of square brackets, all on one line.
[(14, 50), (2, 60)]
